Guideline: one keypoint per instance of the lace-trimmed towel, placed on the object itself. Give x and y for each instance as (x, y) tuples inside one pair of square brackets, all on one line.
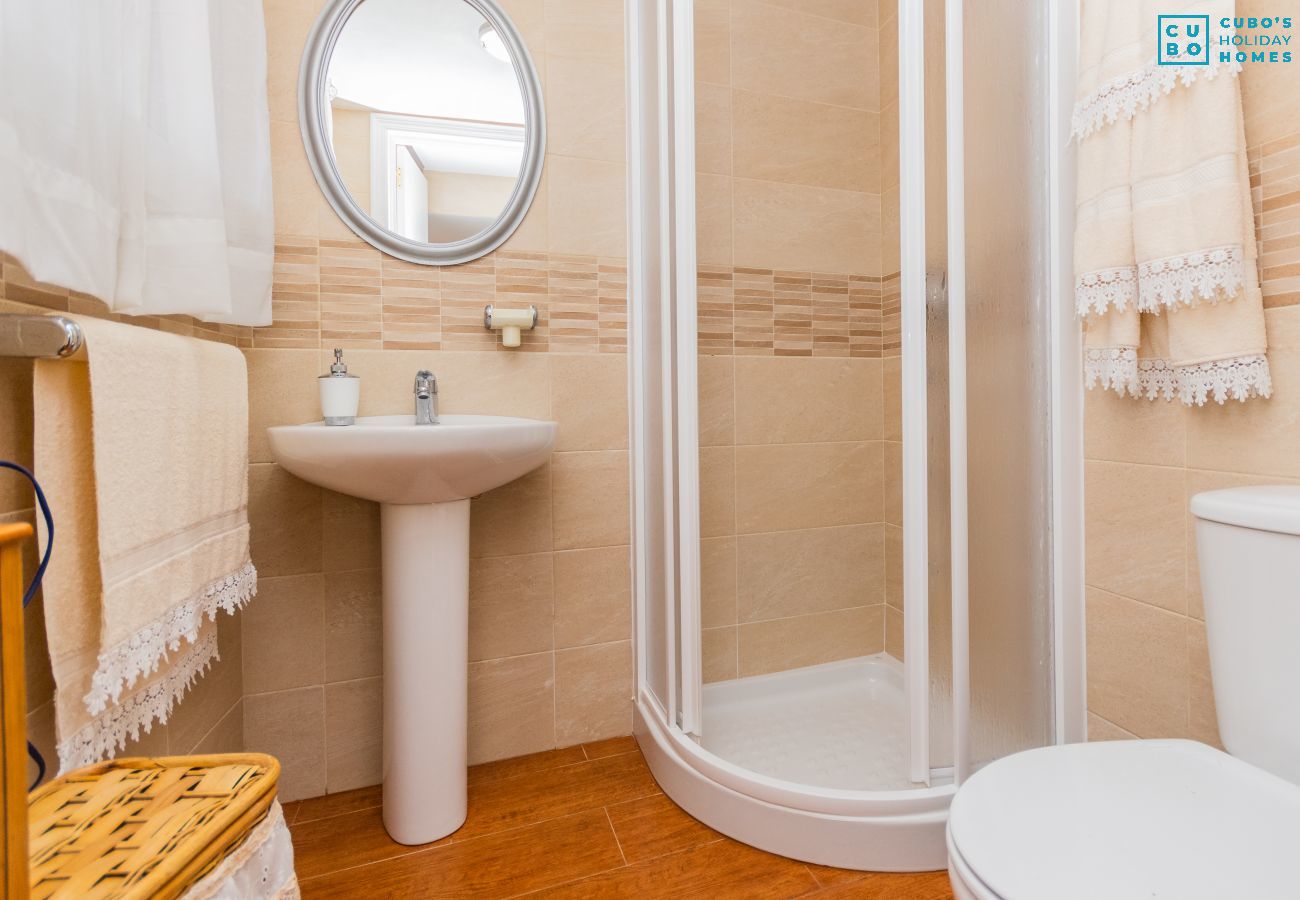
[(143, 452), (1165, 253)]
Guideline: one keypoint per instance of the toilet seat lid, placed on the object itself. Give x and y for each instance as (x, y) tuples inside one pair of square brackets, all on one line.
[(1128, 819)]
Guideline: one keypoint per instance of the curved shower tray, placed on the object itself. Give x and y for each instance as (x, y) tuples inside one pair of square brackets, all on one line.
[(882, 831)]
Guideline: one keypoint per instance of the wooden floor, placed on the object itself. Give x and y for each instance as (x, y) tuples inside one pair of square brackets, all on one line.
[(583, 822)]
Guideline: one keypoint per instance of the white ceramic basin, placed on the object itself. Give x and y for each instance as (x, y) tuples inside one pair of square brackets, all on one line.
[(423, 477), (390, 459)]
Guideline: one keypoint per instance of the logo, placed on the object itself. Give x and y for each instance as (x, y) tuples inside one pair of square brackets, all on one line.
[(1183, 40)]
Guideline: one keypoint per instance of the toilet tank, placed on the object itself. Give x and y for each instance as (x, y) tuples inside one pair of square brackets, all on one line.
[(1248, 544)]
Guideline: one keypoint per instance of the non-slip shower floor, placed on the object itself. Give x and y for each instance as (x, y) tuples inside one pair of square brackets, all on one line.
[(837, 725)]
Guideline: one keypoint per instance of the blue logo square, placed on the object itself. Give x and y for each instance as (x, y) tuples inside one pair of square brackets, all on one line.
[(1183, 40)]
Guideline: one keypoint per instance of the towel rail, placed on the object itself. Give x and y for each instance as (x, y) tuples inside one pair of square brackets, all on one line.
[(39, 337)]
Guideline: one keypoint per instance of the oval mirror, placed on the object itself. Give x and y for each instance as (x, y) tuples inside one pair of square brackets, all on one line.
[(423, 123)]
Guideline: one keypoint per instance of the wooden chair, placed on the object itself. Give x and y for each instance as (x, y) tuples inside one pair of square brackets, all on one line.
[(13, 714), (130, 828)]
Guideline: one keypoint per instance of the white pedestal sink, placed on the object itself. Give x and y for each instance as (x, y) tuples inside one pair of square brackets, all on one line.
[(423, 477)]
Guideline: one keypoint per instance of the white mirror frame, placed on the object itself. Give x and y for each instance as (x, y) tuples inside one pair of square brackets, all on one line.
[(313, 106)]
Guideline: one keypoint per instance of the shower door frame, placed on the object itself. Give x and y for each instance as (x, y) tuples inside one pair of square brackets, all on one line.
[(884, 830)]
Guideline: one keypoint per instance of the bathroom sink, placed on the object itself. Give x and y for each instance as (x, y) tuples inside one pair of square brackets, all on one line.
[(390, 459), (422, 476)]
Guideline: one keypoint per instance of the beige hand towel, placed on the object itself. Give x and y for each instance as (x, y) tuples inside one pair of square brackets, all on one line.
[(1164, 241), (143, 453)]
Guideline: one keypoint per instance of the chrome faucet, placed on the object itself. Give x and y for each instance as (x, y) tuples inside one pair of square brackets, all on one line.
[(426, 398)]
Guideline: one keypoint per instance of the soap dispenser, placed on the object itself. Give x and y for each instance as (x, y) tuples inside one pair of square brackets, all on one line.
[(339, 393)]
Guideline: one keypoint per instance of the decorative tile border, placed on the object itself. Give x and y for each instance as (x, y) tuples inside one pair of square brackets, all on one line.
[(331, 293), (1275, 188), (764, 312)]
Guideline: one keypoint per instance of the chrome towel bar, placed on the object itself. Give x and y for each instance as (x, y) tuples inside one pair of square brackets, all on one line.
[(39, 337)]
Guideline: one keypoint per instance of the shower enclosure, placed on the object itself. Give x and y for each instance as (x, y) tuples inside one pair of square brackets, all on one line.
[(855, 416)]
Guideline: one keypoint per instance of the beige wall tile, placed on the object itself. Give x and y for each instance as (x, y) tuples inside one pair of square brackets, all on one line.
[(791, 573), (855, 12), (585, 109), (511, 707), (284, 521), (214, 695), (474, 382), (1136, 524), (893, 478), (718, 576), (586, 207), (788, 400), (780, 644), (593, 693), (717, 377), (299, 205), (1121, 429), (227, 736), (894, 632), (16, 436), (533, 233), (713, 42), (513, 519), (287, 25), (582, 29), (591, 499), (892, 376), (1255, 438), (1137, 665), (785, 487), (717, 491), (349, 532), (1269, 94), (1101, 730), (894, 566), (290, 725), (511, 606), (593, 596), (712, 127), (284, 634), (801, 142), (353, 625), (805, 229), (354, 729), (718, 653), (793, 54), (589, 400), (889, 147), (713, 220), (889, 232)]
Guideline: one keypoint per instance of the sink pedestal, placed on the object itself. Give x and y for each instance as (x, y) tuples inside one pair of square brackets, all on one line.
[(426, 650), (421, 476)]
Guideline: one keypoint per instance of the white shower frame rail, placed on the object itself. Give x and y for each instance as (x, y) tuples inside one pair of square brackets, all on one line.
[(897, 830)]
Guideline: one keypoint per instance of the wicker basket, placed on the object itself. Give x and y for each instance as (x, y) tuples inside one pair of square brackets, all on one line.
[(144, 827)]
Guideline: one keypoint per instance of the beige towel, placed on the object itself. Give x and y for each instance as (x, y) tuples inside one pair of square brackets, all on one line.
[(143, 452), (1164, 242)]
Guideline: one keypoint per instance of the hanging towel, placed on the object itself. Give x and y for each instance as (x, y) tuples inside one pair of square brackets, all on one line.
[(144, 453), (1165, 252)]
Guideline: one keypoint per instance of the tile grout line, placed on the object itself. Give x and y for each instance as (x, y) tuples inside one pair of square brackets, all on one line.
[(456, 843), (618, 843), (571, 765)]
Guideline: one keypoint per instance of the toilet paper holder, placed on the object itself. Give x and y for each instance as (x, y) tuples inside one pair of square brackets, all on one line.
[(510, 322)]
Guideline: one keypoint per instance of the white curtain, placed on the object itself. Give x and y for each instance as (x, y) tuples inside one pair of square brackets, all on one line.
[(135, 160)]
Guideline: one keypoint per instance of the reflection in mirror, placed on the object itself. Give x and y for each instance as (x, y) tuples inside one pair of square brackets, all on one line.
[(426, 118)]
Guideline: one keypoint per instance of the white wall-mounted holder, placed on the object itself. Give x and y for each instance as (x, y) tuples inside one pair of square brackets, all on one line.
[(510, 322)]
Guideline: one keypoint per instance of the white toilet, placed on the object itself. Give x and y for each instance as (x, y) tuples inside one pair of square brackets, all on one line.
[(1168, 818)]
